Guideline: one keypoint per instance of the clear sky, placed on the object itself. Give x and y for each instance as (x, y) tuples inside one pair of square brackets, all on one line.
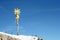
[(38, 17)]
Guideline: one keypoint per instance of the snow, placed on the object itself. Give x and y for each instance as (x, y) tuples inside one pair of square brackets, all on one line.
[(22, 37)]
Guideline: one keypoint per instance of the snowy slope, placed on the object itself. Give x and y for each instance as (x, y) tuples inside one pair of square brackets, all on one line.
[(21, 37)]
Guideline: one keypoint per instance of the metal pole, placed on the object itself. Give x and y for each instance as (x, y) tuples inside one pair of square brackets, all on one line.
[(17, 28), (17, 11)]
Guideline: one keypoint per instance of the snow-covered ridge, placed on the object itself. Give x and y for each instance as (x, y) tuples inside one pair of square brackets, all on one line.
[(21, 37)]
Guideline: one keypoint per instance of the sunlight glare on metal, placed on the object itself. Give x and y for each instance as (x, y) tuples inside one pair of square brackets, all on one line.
[(17, 11)]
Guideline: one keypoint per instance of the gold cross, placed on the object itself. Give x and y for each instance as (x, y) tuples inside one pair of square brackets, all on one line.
[(17, 11)]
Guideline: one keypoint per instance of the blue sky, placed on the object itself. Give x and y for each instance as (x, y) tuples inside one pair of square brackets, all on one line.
[(38, 17)]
